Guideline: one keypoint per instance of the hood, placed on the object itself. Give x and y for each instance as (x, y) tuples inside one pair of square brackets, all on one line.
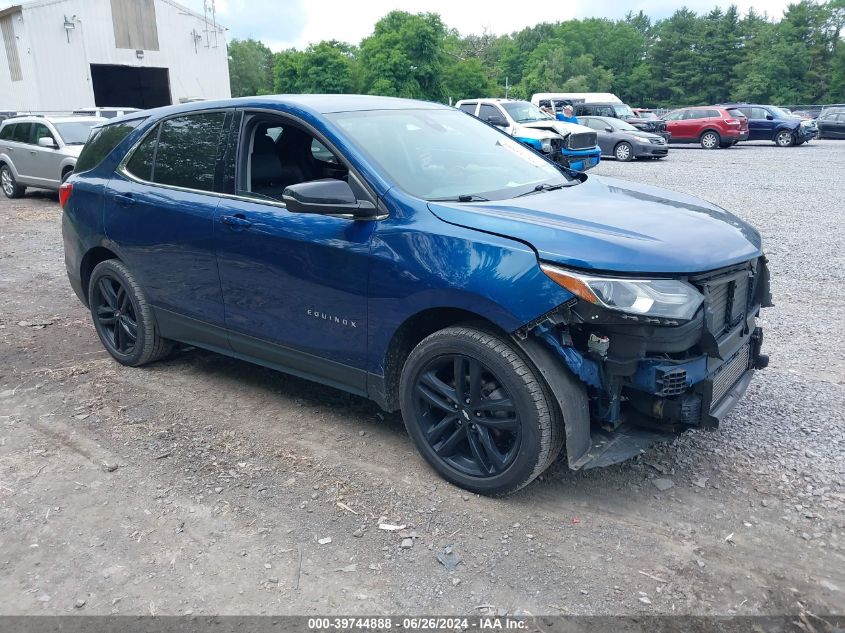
[(72, 150), (606, 224), (559, 127)]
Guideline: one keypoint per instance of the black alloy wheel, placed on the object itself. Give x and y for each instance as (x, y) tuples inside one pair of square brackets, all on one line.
[(478, 410), (467, 416), (123, 317), (115, 315)]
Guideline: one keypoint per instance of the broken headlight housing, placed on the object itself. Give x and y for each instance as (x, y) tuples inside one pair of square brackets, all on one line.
[(663, 298)]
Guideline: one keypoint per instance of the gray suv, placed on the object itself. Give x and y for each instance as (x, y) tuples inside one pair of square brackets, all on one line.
[(37, 151)]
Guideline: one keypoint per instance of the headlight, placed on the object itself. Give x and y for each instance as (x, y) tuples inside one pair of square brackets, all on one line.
[(547, 145), (666, 298)]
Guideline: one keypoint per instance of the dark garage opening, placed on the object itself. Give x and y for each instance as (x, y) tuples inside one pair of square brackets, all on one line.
[(130, 86)]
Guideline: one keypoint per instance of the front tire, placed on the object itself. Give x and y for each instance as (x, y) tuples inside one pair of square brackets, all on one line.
[(624, 152), (784, 138), (478, 411), (122, 316), (710, 140), (9, 185)]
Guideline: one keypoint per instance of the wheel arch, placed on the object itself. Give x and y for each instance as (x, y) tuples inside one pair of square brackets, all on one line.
[(385, 390), (89, 261), (710, 129)]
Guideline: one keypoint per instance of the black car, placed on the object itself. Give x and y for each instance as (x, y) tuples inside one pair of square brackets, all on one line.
[(623, 141), (621, 111), (832, 123)]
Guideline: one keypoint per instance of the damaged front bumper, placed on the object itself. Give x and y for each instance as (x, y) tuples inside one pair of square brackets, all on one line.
[(647, 382)]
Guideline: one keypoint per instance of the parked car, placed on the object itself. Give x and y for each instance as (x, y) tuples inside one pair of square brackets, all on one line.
[(710, 126), (770, 123), (38, 151), (563, 98), (434, 264), (573, 146), (623, 141), (104, 112), (624, 113), (832, 124)]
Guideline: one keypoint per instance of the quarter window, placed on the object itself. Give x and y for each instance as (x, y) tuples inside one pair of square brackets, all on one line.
[(140, 164), (468, 108), (101, 143)]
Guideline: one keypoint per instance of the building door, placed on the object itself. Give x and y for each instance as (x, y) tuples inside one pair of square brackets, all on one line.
[(130, 86)]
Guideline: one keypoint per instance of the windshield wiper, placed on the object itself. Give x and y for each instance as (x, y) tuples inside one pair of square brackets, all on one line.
[(543, 186), (466, 197)]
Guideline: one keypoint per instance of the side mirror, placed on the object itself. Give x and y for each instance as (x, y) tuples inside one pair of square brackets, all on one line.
[(769, 117), (497, 121), (46, 141), (608, 129), (328, 197)]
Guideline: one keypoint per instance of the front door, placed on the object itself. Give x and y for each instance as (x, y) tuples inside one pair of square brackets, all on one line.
[(294, 284), (159, 211), (46, 161)]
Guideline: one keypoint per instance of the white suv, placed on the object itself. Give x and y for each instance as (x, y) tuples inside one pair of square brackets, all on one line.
[(572, 145), (38, 151)]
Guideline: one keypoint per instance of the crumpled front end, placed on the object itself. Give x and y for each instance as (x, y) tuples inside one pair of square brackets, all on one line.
[(648, 378)]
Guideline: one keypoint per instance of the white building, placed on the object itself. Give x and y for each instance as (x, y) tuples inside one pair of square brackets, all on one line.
[(67, 54)]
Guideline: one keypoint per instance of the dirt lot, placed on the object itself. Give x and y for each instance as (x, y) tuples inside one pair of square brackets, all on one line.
[(206, 485)]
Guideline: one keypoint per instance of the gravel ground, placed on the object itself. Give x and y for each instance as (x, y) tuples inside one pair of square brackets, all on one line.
[(206, 485)]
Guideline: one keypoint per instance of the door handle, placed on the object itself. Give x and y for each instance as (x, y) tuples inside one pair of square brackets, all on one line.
[(237, 221), (33, 152), (124, 200)]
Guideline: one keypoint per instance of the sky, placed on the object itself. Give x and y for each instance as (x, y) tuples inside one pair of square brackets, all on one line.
[(283, 24)]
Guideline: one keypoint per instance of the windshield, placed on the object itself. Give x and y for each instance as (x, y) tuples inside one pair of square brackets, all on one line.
[(434, 154), (622, 110), (524, 112), (75, 133), (781, 113), (622, 126)]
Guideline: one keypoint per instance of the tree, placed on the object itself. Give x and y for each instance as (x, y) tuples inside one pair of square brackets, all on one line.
[(250, 68), (404, 56)]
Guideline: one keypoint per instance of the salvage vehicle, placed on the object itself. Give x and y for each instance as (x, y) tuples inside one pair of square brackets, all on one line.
[(40, 151), (573, 146), (406, 252), (623, 141), (832, 124), (770, 123), (712, 127)]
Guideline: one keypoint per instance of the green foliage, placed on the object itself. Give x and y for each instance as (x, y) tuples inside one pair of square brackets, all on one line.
[(685, 59), (250, 68)]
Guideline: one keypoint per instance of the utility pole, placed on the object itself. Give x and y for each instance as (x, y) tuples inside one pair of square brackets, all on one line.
[(506, 87)]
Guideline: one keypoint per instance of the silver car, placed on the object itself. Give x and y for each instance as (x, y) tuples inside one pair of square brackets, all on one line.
[(39, 151)]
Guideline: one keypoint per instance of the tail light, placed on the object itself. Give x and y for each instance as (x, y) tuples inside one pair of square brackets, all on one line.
[(64, 193), (732, 121)]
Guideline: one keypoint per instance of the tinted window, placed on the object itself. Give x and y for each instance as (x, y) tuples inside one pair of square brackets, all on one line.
[(101, 142), (21, 133), (6, 132), (187, 151), (140, 164), (487, 111), (468, 107)]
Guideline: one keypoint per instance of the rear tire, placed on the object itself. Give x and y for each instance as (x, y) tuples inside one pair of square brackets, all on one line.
[(122, 316), (710, 140), (784, 138), (9, 185), (494, 429), (624, 152)]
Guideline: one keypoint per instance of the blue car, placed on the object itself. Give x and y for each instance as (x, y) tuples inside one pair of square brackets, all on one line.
[(408, 253), (770, 123)]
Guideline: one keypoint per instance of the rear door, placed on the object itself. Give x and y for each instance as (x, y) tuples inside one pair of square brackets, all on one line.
[(17, 147), (605, 139), (159, 210)]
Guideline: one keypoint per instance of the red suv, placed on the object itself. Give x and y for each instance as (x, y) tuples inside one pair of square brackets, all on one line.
[(711, 126)]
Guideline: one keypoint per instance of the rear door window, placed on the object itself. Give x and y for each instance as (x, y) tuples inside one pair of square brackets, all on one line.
[(187, 150), (21, 132), (101, 143), (468, 107)]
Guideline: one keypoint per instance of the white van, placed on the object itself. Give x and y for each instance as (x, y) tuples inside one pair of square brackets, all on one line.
[(574, 97)]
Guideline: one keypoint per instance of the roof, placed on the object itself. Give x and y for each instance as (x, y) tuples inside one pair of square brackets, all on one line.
[(36, 118), (316, 104)]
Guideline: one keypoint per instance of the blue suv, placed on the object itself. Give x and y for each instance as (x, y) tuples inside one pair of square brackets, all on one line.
[(770, 123), (406, 252)]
